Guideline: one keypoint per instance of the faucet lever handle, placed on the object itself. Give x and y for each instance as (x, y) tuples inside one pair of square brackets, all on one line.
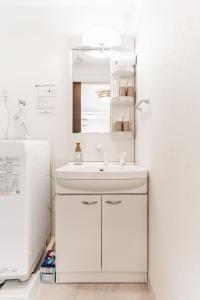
[(122, 158), (99, 148)]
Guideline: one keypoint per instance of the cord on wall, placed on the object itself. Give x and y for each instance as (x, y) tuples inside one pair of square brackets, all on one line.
[(9, 117), (54, 195)]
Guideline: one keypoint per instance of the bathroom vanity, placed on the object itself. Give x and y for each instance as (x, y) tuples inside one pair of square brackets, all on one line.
[(101, 223)]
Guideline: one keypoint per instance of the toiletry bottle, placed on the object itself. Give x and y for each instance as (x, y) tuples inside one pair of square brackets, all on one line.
[(119, 123), (126, 123), (122, 88), (78, 155)]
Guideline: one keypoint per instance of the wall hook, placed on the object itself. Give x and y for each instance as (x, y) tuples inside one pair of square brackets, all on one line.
[(138, 105)]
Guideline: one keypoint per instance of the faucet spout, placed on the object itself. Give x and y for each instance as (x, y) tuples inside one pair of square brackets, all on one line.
[(100, 149), (105, 158)]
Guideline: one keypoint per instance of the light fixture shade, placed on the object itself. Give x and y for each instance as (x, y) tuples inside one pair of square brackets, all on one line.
[(98, 54), (102, 36)]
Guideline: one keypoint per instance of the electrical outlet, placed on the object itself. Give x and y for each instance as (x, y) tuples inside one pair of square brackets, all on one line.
[(5, 94)]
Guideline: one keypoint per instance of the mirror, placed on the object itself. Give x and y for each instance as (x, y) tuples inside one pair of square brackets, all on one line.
[(91, 90)]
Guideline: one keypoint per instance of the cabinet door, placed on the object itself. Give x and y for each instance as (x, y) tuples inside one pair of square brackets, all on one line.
[(78, 233), (124, 233)]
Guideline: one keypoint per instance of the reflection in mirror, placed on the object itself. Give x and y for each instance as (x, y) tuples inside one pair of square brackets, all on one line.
[(91, 90)]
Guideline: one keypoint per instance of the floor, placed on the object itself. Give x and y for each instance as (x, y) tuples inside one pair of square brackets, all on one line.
[(94, 292)]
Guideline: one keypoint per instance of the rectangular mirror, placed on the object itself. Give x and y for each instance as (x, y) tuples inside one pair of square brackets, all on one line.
[(91, 90)]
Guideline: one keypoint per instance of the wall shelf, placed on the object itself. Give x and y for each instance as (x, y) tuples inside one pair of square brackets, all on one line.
[(122, 101), (122, 134), (122, 107), (123, 71)]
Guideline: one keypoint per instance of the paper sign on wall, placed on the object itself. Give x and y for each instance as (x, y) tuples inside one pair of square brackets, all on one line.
[(45, 98), (9, 175)]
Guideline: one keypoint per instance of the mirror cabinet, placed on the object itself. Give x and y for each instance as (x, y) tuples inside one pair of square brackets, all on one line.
[(103, 85)]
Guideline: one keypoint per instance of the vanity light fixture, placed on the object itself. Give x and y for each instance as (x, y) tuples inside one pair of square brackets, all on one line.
[(102, 37)]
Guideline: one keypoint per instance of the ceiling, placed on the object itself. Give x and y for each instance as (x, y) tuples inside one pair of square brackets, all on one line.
[(69, 19), (68, 2)]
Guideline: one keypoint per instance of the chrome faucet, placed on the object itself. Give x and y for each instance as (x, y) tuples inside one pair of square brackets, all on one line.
[(100, 149), (122, 158)]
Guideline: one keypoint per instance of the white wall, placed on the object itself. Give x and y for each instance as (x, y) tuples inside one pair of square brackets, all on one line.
[(34, 50), (30, 56), (168, 144), (34, 43)]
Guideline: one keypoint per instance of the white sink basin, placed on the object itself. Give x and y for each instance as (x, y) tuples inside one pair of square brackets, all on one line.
[(97, 178)]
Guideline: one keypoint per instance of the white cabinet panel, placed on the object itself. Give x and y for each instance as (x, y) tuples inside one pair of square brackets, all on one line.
[(124, 233), (78, 233)]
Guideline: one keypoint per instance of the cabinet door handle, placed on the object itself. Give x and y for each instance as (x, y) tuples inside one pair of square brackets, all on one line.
[(89, 202), (114, 202)]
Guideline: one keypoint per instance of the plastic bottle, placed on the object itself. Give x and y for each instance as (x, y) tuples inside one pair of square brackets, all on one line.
[(78, 159)]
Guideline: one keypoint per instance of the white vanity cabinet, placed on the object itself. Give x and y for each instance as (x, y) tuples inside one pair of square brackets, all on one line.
[(101, 223), (78, 233), (124, 233), (101, 238)]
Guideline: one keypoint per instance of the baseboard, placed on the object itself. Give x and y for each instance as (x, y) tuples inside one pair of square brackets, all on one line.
[(84, 277), (152, 294)]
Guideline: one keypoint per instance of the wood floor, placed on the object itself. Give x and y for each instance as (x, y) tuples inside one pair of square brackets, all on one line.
[(94, 292)]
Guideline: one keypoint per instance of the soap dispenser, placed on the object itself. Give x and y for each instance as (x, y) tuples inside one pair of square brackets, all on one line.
[(78, 159)]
